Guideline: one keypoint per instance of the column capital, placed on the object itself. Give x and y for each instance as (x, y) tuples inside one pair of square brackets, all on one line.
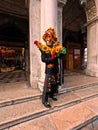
[(61, 3)]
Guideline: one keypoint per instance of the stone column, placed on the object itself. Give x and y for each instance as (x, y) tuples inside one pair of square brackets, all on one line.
[(61, 3), (92, 38), (34, 33), (27, 69), (48, 14), (92, 48), (48, 19)]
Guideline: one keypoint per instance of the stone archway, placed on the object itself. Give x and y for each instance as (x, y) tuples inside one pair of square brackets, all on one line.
[(74, 31), (91, 10), (92, 40)]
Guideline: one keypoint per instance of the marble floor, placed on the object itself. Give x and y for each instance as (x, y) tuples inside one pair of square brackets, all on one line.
[(12, 77)]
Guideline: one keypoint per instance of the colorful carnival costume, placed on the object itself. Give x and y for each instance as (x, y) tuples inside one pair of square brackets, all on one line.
[(49, 55)]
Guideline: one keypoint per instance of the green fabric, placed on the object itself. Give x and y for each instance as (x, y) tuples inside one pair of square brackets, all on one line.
[(64, 50), (61, 52)]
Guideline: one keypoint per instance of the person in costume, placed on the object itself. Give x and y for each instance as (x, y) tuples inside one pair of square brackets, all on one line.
[(50, 53)]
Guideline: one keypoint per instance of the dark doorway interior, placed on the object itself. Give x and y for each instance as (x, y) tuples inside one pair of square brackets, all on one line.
[(74, 34), (13, 43)]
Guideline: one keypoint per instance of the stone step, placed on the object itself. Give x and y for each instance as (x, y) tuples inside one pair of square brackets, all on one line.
[(18, 100), (82, 116), (11, 94), (76, 87), (29, 95), (13, 115)]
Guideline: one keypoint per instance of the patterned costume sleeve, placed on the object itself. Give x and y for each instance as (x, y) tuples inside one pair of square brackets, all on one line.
[(46, 58)]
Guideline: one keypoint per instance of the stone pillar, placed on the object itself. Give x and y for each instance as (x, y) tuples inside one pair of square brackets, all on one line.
[(92, 38), (60, 9), (27, 69), (61, 3), (48, 19), (92, 48), (34, 33), (48, 14)]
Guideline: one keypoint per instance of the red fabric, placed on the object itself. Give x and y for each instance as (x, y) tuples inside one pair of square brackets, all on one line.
[(35, 42), (49, 85), (53, 55)]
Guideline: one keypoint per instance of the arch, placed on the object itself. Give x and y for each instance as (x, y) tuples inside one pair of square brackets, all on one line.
[(75, 14), (91, 9), (74, 32)]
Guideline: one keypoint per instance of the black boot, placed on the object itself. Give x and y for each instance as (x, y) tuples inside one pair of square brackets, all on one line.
[(45, 100), (46, 104), (53, 98)]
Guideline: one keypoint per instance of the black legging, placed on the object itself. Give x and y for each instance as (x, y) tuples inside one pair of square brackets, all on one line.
[(46, 93)]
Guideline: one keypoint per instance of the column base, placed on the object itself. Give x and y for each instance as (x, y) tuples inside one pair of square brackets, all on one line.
[(92, 72), (41, 84), (33, 82)]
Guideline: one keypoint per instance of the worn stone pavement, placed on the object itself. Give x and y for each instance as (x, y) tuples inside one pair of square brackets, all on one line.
[(63, 119), (17, 86)]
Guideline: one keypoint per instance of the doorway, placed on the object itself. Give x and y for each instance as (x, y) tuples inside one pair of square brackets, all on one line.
[(13, 47), (74, 34)]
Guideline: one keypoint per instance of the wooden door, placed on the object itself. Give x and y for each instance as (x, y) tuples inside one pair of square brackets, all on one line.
[(70, 57)]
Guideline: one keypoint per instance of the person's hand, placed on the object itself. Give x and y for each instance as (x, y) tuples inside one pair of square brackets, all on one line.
[(53, 54), (35, 42)]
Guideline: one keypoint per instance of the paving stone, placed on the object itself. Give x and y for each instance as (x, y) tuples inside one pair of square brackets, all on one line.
[(93, 105), (65, 99), (16, 91), (64, 119), (14, 76), (88, 127), (68, 118), (86, 92), (38, 124), (14, 112)]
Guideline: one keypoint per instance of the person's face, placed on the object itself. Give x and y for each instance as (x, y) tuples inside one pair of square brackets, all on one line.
[(49, 41)]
